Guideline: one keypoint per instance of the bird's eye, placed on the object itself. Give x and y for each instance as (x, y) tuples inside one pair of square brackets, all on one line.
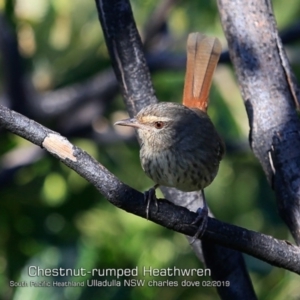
[(159, 125)]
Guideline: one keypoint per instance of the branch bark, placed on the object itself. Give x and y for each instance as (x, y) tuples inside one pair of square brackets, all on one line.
[(270, 96)]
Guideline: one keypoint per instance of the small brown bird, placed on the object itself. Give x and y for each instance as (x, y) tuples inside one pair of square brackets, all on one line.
[(179, 144)]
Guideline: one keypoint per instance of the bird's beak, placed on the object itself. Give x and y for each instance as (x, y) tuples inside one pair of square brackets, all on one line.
[(129, 122)]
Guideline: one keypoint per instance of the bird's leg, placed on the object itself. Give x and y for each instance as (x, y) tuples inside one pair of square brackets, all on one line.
[(201, 219), (150, 196)]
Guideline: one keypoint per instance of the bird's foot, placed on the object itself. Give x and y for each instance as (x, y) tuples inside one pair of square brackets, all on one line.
[(201, 220), (150, 196)]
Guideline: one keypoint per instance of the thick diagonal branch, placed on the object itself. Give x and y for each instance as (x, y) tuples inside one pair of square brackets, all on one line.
[(270, 97)]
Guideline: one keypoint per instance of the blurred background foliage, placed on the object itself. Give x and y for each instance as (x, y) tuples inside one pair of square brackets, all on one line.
[(51, 217)]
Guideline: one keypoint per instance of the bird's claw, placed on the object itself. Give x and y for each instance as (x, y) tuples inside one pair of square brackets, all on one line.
[(150, 196), (202, 219)]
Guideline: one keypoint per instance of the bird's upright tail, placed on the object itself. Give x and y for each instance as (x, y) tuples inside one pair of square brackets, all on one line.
[(203, 53)]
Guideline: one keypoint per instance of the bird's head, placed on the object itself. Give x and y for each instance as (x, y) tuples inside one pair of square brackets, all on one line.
[(159, 124)]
